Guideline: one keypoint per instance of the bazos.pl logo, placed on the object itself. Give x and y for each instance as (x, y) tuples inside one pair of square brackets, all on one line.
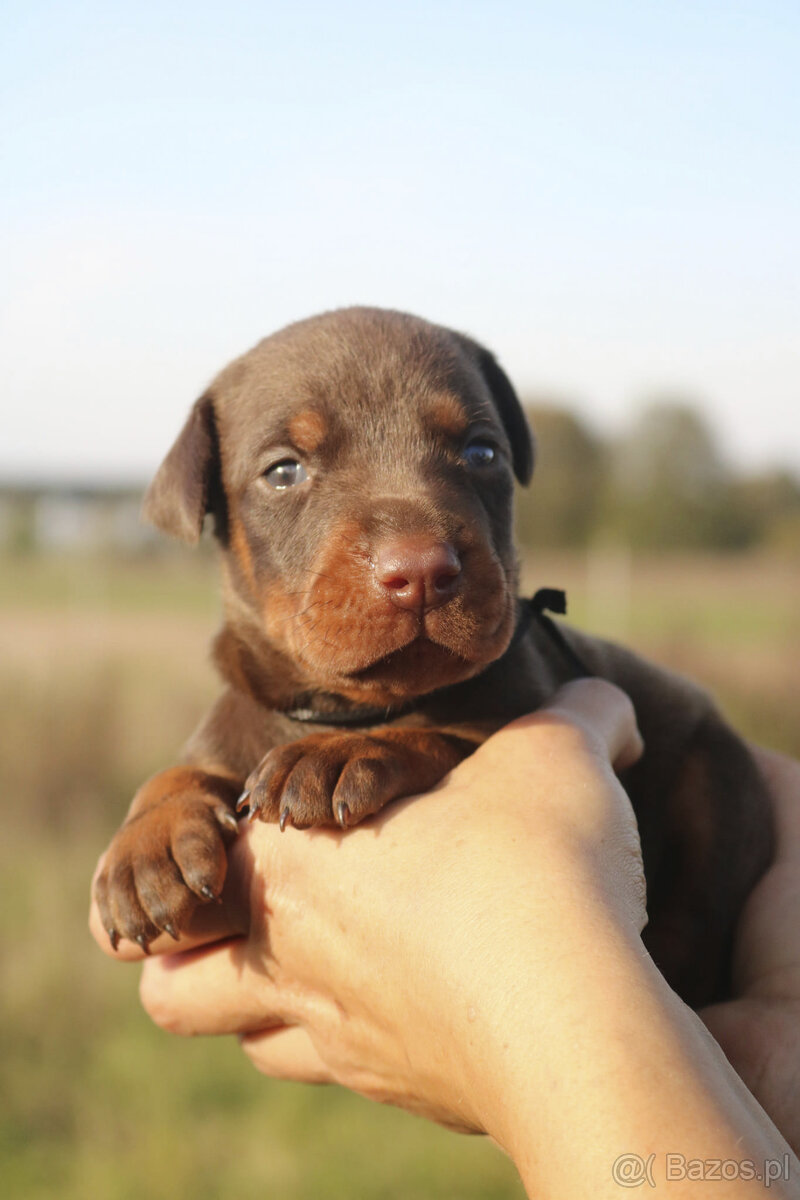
[(634, 1170)]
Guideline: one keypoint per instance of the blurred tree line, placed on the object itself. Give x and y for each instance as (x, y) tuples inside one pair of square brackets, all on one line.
[(662, 484)]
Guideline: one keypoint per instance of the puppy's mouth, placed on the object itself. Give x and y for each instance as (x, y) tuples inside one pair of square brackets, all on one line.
[(410, 656), (418, 652)]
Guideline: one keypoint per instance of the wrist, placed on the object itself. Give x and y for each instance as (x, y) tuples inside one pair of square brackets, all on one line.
[(591, 1056)]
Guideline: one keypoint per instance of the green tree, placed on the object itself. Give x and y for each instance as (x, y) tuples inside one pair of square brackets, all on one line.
[(771, 501), (560, 506), (669, 487)]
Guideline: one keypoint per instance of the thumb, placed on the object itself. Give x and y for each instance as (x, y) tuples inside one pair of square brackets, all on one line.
[(605, 713)]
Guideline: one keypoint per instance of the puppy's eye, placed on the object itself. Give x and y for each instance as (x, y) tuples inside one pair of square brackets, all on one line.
[(479, 453), (285, 474)]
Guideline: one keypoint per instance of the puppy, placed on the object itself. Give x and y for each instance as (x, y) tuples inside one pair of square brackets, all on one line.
[(359, 469)]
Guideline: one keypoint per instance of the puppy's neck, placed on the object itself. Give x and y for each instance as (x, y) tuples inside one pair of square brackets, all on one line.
[(251, 664)]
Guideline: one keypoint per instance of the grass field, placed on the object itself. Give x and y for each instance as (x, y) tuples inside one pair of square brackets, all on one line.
[(104, 673)]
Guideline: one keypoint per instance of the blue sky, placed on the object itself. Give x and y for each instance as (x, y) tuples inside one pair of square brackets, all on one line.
[(606, 194)]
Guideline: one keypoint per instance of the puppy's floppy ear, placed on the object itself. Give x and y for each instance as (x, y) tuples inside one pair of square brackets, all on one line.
[(508, 407), (511, 414), (187, 485)]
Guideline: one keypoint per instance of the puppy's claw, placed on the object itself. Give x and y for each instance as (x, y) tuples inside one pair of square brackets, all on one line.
[(142, 940), (251, 816), (113, 937), (170, 929), (342, 814), (227, 820), (242, 801), (206, 891), (285, 818)]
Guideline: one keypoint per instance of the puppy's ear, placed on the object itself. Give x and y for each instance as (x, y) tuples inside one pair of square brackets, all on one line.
[(187, 485), (511, 414)]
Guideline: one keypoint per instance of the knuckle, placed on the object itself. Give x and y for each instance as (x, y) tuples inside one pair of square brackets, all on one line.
[(156, 1003)]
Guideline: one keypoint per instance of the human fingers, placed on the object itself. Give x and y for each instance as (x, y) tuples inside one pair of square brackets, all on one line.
[(587, 725), (782, 776), (605, 713), (286, 1052), (217, 989), (767, 946)]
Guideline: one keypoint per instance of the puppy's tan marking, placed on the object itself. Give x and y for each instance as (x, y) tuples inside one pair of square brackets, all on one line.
[(307, 430), (240, 548), (447, 414)]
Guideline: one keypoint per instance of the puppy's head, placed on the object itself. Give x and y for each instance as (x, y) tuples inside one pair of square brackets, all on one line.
[(359, 466)]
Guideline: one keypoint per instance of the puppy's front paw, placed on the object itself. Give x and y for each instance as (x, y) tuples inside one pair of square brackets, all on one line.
[(167, 857), (341, 778)]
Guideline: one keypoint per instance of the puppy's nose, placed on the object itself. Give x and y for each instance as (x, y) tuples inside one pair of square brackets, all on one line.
[(417, 573)]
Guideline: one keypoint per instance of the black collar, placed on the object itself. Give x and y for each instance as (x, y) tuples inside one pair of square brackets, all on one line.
[(536, 608), (364, 714)]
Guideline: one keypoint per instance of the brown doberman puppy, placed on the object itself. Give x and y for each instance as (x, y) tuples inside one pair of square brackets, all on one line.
[(359, 468)]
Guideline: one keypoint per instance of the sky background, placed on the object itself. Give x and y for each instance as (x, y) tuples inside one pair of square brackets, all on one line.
[(606, 194)]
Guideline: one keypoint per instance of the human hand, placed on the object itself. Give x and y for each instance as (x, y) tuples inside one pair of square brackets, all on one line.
[(474, 955), (384, 959), (759, 1029)]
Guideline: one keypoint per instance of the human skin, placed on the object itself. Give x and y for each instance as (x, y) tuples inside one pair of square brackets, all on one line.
[(475, 956), (759, 1029)]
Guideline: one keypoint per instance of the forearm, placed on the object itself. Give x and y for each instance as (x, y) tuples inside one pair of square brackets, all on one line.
[(589, 1056)]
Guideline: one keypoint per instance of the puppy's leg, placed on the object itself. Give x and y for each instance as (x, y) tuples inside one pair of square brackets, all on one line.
[(169, 854), (340, 778), (717, 842)]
